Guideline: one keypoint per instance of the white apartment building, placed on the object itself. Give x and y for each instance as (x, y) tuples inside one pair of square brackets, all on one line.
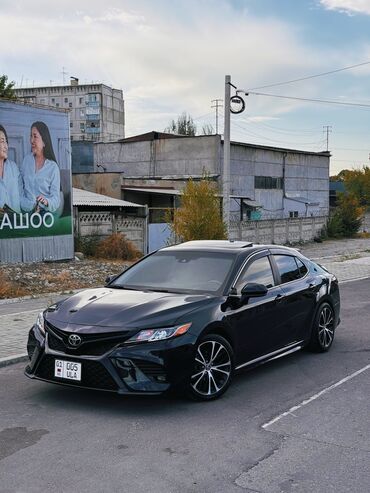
[(96, 111)]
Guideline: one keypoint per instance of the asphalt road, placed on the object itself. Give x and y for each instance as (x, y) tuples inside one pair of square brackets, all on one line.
[(56, 439)]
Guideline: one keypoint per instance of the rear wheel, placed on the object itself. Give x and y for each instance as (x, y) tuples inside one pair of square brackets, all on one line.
[(323, 328), (213, 368)]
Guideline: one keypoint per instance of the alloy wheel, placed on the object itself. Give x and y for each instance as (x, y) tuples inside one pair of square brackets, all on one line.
[(212, 369), (326, 327)]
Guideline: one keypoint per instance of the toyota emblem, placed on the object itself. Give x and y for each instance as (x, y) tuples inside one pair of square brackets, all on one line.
[(74, 340)]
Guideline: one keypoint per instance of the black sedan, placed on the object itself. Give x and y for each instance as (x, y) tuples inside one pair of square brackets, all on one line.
[(187, 317)]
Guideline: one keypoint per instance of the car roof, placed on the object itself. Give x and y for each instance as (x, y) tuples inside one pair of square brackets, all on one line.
[(224, 246)]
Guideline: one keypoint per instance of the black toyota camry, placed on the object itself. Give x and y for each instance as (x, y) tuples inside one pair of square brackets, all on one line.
[(187, 317)]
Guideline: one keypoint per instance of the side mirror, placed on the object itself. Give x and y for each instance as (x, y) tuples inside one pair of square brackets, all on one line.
[(253, 290), (109, 279), (250, 290)]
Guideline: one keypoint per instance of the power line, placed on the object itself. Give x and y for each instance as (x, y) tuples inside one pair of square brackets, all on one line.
[(324, 101), (311, 76)]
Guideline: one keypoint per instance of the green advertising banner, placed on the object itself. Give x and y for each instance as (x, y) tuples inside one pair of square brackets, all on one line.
[(35, 172)]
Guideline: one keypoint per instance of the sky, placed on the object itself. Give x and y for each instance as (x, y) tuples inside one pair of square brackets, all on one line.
[(171, 56)]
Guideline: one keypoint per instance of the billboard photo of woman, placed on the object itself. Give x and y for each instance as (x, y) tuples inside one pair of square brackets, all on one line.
[(11, 187), (40, 173)]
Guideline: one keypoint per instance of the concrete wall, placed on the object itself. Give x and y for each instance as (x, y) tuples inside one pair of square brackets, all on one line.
[(187, 156), (104, 223), (278, 231), (306, 175), (103, 183)]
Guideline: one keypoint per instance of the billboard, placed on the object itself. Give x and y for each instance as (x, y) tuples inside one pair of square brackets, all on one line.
[(35, 183)]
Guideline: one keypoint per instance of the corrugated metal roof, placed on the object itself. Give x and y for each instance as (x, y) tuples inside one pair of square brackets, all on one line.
[(84, 197), (163, 191)]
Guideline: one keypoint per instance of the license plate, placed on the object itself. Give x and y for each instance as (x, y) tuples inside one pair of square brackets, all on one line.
[(67, 369)]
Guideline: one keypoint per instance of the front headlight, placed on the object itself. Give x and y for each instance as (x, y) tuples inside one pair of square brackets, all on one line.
[(40, 323), (150, 335)]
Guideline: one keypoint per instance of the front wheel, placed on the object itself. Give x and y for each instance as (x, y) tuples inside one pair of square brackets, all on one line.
[(212, 369), (322, 334)]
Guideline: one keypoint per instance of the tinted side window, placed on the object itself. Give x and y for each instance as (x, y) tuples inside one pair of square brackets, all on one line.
[(288, 268), (258, 271)]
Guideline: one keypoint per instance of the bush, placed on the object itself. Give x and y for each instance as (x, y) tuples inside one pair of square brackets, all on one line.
[(87, 244), (116, 246), (347, 217), (199, 216)]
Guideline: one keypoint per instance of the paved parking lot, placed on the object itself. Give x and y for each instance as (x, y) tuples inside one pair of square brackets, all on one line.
[(58, 439)]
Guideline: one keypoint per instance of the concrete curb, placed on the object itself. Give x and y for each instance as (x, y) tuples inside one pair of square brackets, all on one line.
[(41, 295), (10, 360)]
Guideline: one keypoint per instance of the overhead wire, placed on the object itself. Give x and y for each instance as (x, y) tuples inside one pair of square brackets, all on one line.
[(311, 76)]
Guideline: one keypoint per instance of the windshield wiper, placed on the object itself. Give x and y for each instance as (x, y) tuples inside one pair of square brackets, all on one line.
[(118, 286), (157, 290)]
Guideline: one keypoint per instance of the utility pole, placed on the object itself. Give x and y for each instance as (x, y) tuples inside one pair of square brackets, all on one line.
[(216, 105), (328, 130), (226, 168), (64, 73)]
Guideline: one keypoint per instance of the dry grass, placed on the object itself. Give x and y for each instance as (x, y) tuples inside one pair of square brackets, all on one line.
[(9, 289), (116, 246)]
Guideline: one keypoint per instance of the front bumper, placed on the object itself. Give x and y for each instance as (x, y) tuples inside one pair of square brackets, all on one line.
[(145, 368)]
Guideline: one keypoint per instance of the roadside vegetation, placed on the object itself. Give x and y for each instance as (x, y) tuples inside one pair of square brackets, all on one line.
[(115, 246), (345, 221), (199, 215)]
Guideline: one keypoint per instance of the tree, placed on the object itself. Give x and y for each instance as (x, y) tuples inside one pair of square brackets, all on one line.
[(199, 215), (7, 88), (184, 126), (347, 218), (208, 129), (357, 182)]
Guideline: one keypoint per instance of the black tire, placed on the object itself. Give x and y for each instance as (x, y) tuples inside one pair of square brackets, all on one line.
[(323, 329), (213, 368)]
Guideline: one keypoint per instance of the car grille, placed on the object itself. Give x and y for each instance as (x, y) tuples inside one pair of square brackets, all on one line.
[(92, 345), (93, 375)]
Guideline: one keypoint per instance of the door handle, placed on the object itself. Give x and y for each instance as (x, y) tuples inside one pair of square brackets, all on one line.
[(279, 297)]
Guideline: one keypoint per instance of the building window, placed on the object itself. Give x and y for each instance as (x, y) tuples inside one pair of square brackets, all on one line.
[(70, 105), (71, 124), (82, 127), (66, 100), (57, 105), (82, 113), (81, 100), (293, 214), (52, 100), (268, 183)]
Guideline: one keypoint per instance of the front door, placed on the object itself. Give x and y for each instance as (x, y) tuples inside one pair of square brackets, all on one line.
[(258, 325)]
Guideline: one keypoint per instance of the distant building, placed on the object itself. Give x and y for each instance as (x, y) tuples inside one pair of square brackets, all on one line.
[(265, 182), (96, 110)]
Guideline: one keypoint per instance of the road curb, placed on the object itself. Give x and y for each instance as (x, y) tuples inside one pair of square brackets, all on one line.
[(10, 360), (41, 295)]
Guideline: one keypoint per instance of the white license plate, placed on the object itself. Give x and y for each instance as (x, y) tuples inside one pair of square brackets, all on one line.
[(67, 369)]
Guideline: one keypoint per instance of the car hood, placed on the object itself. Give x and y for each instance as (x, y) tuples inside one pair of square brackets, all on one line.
[(116, 309)]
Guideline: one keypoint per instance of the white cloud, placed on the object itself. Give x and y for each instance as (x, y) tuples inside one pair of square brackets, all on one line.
[(168, 57), (348, 6)]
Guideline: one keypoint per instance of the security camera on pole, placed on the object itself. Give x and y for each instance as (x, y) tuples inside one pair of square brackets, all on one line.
[(236, 105)]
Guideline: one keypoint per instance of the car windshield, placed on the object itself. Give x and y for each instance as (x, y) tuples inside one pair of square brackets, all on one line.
[(178, 271)]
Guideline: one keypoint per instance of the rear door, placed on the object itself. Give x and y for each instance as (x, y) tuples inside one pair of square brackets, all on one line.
[(299, 291)]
